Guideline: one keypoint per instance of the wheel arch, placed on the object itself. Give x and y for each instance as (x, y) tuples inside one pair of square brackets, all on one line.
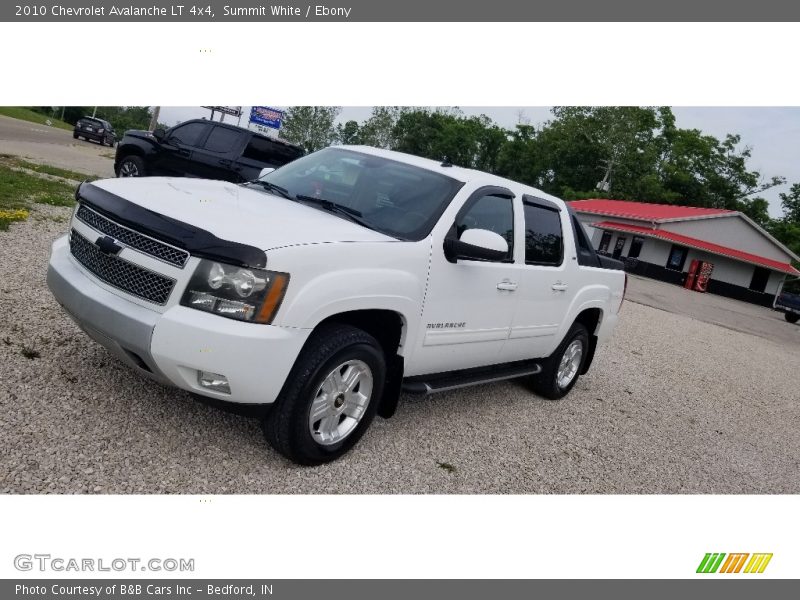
[(389, 328), (591, 319)]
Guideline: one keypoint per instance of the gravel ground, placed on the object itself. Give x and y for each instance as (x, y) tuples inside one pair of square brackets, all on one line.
[(672, 405)]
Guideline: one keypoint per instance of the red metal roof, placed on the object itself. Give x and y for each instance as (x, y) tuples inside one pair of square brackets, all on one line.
[(644, 211), (684, 240)]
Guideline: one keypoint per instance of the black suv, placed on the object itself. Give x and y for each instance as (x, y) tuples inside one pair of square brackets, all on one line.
[(201, 148), (98, 130)]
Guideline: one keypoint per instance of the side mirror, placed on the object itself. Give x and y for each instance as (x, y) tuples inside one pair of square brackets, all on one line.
[(265, 171), (159, 133), (476, 244)]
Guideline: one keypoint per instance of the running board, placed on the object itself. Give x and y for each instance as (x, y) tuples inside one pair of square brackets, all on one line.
[(453, 380)]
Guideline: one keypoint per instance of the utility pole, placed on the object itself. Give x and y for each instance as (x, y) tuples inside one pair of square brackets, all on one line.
[(94, 112), (154, 118)]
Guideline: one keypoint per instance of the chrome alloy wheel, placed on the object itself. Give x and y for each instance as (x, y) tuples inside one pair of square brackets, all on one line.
[(340, 402), (570, 363), (128, 169)]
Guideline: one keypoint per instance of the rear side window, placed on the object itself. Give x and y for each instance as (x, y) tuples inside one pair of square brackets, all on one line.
[(189, 134), (222, 140), (544, 243), (271, 153), (495, 213)]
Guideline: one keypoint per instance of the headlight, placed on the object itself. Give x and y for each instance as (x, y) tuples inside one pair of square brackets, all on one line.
[(235, 292)]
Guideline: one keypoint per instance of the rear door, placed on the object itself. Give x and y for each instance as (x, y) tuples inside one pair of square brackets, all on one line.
[(547, 280), (469, 304), (215, 158)]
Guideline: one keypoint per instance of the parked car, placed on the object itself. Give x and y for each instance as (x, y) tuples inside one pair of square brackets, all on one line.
[(334, 282), (789, 305), (201, 148), (90, 128)]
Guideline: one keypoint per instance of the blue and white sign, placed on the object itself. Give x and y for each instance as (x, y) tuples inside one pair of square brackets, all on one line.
[(266, 116)]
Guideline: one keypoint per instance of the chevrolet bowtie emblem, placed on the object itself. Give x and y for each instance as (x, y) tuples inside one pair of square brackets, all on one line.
[(108, 245)]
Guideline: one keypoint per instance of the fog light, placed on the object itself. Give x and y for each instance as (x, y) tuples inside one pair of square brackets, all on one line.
[(213, 381)]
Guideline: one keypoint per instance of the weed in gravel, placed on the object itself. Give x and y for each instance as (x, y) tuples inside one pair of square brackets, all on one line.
[(446, 466), (30, 353)]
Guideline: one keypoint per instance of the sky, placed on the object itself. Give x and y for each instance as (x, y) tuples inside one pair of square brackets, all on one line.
[(773, 133)]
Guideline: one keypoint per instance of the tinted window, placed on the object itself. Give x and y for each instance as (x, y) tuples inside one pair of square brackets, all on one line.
[(494, 213), (222, 139), (396, 198), (269, 152), (188, 134), (543, 242)]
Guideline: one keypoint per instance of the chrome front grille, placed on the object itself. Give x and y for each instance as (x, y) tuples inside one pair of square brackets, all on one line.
[(119, 273), (134, 239)]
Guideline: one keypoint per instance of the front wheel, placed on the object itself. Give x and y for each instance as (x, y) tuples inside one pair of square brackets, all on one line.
[(329, 398), (791, 317), (562, 369), (131, 166)]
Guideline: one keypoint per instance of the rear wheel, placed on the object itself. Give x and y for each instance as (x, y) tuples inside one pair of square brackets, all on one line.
[(131, 166), (562, 369), (329, 398), (791, 317)]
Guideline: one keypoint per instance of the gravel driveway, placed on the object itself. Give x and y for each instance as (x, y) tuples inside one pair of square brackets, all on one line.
[(672, 405)]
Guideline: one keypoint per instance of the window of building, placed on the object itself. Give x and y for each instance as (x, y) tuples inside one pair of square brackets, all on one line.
[(605, 241), (677, 257), (636, 247)]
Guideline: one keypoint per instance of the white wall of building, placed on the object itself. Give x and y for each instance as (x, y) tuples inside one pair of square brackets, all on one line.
[(733, 232)]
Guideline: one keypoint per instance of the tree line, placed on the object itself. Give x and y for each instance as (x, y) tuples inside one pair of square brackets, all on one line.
[(617, 152)]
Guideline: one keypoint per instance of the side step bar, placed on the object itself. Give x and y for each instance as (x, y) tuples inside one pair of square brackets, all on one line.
[(452, 380)]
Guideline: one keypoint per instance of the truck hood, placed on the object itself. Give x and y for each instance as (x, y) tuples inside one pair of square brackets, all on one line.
[(239, 214)]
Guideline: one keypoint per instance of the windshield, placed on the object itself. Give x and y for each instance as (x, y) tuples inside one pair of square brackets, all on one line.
[(389, 196)]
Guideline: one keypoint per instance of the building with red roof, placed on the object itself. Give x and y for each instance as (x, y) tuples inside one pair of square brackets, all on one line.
[(672, 243)]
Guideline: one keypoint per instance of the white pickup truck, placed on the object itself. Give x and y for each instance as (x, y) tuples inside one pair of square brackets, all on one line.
[(328, 286)]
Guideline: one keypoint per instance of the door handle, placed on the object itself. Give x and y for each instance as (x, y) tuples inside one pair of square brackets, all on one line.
[(225, 162), (507, 286), (559, 287)]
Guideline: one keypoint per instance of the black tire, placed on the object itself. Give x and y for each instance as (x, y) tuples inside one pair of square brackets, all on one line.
[(286, 424), (74, 136), (791, 317), (135, 162), (546, 384)]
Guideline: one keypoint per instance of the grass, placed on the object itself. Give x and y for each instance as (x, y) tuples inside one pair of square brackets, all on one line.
[(26, 114), (15, 161), (20, 190)]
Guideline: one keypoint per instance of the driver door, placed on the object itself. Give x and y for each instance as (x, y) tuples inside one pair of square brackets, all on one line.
[(177, 148), (469, 305)]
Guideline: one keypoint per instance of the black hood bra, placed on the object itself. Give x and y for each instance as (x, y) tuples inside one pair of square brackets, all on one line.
[(195, 240)]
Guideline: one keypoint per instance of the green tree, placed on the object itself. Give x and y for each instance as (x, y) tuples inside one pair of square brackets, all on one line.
[(312, 127), (791, 204), (348, 133)]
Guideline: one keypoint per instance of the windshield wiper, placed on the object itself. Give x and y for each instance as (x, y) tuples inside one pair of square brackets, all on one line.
[(274, 188), (340, 209)]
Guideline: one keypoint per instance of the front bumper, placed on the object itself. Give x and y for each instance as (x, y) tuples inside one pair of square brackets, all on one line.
[(172, 346)]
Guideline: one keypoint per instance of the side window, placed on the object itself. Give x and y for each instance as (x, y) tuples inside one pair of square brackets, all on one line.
[(495, 213), (274, 154), (222, 140), (543, 239), (188, 134)]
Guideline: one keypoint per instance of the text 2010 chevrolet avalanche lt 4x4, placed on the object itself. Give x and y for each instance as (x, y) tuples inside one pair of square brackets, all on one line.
[(331, 284)]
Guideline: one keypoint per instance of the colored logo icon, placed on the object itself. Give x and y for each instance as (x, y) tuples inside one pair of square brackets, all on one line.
[(719, 562)]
